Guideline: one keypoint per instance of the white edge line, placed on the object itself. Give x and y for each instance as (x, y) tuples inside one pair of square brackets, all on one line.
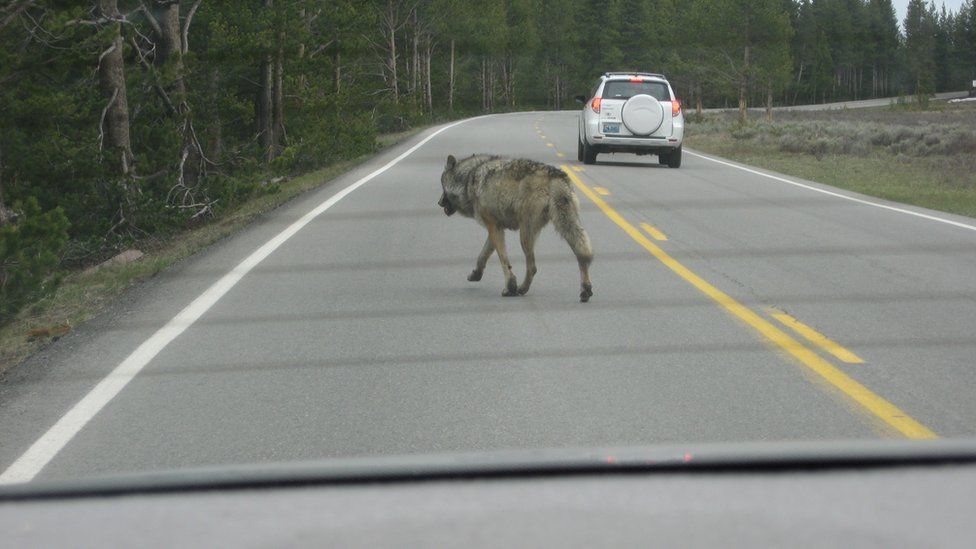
[(839, 195), (30, 463)]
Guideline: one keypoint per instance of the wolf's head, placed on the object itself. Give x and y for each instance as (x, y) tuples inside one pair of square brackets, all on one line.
[(449, 195)]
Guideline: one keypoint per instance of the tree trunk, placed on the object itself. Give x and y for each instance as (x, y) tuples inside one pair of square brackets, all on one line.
[(169, 26), (874, 80), (392, 59), (508, 80), (484, 84), (506, 74), (799, 77), (558, 99), (504, 77), (450, 80), (265, 102), (216, 127), (336, 68), (427, 87), (698, 98), (491, 85), (744, 86), (169, 58), (111, 79), (170, 50), (415, 61), (278, 109), (769, 100), (393, 69), (302, 79), (508, 83), (556, 91), (265, 105), (6, 216)]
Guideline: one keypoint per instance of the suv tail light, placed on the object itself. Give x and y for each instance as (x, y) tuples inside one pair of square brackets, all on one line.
[(675, 107), (595, 104)]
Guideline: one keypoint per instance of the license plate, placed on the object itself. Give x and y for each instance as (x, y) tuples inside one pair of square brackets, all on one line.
[(611, 128)]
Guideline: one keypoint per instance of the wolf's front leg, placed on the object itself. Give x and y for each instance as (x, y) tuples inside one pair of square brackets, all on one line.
[(479, 268), (497, 237)]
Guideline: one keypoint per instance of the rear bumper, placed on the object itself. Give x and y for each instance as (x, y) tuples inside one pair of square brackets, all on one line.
[(638, 145), (636, 149)]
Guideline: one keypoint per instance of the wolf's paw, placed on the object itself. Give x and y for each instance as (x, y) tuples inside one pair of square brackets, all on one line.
[(523, 289), (511, 289), (475, 275), (587, 293)]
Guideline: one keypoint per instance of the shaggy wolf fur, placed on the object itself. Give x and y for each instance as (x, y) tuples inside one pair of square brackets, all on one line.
[(516, 194)]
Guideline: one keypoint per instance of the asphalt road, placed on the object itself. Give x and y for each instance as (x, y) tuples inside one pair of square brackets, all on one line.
[(360, 335)]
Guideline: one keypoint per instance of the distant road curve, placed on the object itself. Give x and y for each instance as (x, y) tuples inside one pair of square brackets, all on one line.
[(862, 104)]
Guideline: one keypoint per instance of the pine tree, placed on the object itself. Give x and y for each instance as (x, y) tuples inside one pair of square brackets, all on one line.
[(748, 36), (943, 23), (964, 45), (883, 36), (920, 48)]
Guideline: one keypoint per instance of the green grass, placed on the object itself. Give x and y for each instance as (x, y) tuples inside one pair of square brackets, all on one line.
[(922, 182), (84, 294), (925, 158)]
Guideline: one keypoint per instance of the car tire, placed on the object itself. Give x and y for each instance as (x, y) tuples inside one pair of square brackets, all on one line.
[(662, 159), (589, 153), (674, 159), (579, 149)]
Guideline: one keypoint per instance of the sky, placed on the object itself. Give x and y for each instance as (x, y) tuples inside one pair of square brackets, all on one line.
[(902, 5)]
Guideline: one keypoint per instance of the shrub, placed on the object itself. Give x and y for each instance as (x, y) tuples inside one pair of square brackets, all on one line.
[(29, 252), (744, 131)]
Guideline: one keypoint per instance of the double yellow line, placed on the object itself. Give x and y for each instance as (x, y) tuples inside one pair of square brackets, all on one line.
[(871, 402), (815, 337)]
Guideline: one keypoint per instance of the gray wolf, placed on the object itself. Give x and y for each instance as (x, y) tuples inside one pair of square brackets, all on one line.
[(516, 194)]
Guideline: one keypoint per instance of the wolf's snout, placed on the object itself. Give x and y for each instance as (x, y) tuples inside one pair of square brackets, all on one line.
[(446, 204)]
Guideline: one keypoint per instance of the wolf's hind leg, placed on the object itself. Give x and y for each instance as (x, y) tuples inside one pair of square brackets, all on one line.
[(527, 236), (579, 242), (586, 287), (497, 236), (584, 256), (565, 217), (479, 268)]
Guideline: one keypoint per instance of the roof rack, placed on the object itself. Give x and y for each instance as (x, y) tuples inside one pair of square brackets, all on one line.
[(634, 73)]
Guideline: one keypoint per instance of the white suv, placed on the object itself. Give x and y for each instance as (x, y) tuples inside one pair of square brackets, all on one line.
[(632, 113)]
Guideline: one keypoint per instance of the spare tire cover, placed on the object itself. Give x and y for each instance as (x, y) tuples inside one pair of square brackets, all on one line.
[(642, 114)]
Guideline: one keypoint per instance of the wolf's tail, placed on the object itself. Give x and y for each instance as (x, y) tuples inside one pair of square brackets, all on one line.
[(564, 211)]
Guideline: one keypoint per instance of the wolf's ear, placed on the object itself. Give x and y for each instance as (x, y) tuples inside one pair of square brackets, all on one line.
[(451, 161)]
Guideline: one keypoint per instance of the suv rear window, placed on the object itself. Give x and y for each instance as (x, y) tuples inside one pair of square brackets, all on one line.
[(625, 89)]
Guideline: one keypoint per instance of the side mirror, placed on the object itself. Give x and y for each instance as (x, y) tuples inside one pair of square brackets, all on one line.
[(581, 99)]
